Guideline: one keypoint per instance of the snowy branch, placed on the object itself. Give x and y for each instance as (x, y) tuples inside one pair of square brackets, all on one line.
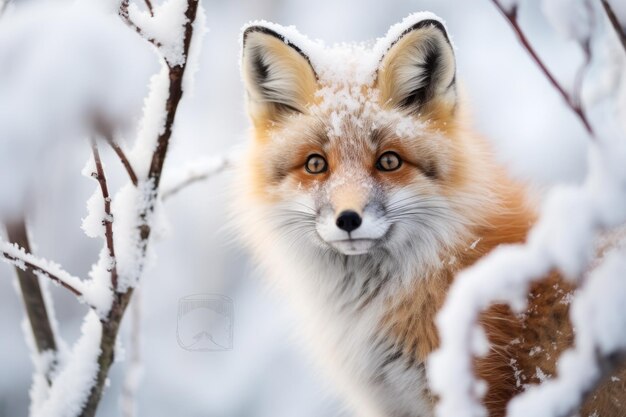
[(19, 258), (126, 18), (108, 217), (193, 172), (572, 100), (149, 188), (34, 303)]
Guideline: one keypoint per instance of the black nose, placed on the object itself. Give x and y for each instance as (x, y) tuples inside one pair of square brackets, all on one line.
[(348, 220)]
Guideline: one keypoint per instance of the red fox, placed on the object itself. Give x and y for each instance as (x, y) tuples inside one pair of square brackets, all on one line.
[(365, 190)]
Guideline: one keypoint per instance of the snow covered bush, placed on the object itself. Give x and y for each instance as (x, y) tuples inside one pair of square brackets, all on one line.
[(572, 222), (65, 76)]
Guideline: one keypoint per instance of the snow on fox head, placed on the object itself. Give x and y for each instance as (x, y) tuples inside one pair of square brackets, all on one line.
[(357, 150)]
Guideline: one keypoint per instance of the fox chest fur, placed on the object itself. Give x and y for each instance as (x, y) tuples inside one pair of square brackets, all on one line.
[(364, 190)]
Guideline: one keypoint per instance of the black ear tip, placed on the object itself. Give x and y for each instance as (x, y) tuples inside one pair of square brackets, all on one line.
[(267, 31), (260, 29), (422, 24)]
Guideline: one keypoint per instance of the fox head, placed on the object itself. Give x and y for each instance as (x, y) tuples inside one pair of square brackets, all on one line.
[(361, 150)]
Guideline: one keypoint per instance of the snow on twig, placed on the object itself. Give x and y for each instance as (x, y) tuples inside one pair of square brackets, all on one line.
[(70, 390), (19, 258), (123, 12), (134, 370), (107, 220), (38, 329), (595, 323)]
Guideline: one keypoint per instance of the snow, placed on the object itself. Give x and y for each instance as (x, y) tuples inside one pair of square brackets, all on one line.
[(73, 383), (563, 238), (195, 49), (166, 28), (98, 289), (13, 250), (152, 123), (127, 205), (599, 329), (92, 224), (343, 63)]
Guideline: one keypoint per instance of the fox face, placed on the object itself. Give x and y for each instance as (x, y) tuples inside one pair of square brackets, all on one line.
[(359, 151)]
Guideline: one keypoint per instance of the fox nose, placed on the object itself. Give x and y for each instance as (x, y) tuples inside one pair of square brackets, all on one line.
[(348, 220)]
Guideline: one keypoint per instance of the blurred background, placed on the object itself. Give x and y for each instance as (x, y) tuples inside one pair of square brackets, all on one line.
[(266, 373)]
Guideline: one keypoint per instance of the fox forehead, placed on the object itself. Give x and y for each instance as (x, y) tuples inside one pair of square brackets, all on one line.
[(351, 140)]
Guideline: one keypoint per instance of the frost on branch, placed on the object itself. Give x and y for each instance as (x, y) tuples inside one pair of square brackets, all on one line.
[(166, 28), (73, 383), (78, 84)]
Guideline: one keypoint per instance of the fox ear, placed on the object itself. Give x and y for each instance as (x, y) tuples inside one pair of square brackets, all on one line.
[(417, 73), (278, 76)]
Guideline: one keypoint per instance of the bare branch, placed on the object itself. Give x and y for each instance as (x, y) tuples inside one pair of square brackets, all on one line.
[(149, 6), (33, 299), (121, 156), (108, 217), (571, 101), (195, 172), (617, 26)]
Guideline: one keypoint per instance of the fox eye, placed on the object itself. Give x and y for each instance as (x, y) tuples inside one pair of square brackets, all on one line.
[(389, 161), (316, 164)]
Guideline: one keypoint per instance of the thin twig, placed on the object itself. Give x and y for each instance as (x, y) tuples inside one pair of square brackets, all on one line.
[(34, 302), (196, 175), (617, 26), (511, 17), (107, 222), (124, 160), (149, 6)]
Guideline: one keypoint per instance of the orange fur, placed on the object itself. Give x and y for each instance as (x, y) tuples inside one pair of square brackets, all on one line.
[(520, 345)]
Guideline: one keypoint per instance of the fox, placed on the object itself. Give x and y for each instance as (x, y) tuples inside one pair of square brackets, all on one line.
[(364, 190)]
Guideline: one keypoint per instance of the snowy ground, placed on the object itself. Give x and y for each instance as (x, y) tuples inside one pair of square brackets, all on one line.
[(265, 374)]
